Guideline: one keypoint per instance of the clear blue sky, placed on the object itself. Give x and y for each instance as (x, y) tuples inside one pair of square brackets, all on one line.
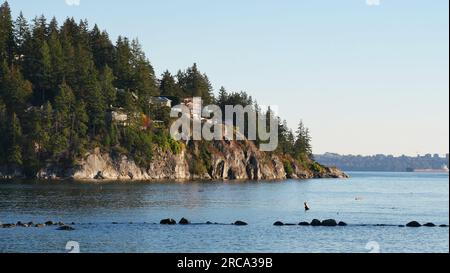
[(366, 79)]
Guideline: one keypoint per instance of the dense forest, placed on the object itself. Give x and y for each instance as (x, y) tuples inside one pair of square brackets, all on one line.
[(59, 82)]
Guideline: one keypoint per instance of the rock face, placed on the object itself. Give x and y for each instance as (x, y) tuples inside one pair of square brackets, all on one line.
[(229, 160)]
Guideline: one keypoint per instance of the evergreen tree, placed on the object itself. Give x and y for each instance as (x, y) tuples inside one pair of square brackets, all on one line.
[(14, 142), (123, 64), (22, 35), (302, 145), (102, 48), (144, 80), (109, 92), (195, 84), (14, 89), (169, 87), (6, 34)]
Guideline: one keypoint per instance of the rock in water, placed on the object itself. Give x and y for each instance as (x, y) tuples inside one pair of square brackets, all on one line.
[(66, 228), (443, 226), (429, 225), (329, 223), (99, 176), (303, 224), (49, 223), (184, 221), (168, 222), (413, 224), (278, 224), (342, 224), (240, 223), (316, 223), (39, 225)]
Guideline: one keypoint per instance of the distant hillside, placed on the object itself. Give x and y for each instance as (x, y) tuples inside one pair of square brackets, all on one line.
[(386, 163)]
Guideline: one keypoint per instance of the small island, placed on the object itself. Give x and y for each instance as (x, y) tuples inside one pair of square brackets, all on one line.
[(75, 105)]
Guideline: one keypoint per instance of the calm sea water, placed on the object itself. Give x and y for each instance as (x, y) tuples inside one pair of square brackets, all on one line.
[(366, 198)]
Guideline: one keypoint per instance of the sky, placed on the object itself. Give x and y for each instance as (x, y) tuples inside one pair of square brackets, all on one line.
[(366, 76)]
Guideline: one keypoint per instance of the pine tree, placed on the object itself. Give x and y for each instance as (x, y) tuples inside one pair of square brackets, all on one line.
[(144, 80), (109, 92), (302, 145), (6, 34), (123, 64), (14, 89), (102, 48), (14, 142), (22, 35), (169, 87), (222, 98), (56, 63)]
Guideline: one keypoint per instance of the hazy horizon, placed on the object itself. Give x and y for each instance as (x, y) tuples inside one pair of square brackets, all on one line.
[(366, 79)]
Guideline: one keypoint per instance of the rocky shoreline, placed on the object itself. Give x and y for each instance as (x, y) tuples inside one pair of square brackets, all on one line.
[(229, 161)]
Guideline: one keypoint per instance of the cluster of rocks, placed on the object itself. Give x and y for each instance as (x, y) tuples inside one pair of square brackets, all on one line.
[(417, 224), (315, 223), (61, 225), (334, 223), (185, 221)]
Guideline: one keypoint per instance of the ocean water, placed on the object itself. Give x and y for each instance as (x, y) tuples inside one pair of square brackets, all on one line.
[(365, 199)]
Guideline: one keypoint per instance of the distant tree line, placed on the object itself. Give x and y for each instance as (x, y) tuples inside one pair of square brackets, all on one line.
[(58, 82), (383, 163)]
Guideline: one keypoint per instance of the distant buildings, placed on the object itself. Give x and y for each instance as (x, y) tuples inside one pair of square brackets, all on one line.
[(383, 163)]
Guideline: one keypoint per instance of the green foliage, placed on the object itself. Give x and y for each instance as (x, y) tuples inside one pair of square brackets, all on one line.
[(139, 144), (288, 168), (163, 140), (317, 168), (197, 166)]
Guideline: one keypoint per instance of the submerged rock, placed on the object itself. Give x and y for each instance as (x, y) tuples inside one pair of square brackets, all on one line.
[(66, 228), (168, 222), (443, 226), (184, 221), (429, 225), (303, 224), (316, 223), (240, 223), (329, 223), (342, 224), (278, 223), (414, 224)]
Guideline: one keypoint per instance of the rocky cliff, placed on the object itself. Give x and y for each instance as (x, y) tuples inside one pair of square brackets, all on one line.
[(227, 160)]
